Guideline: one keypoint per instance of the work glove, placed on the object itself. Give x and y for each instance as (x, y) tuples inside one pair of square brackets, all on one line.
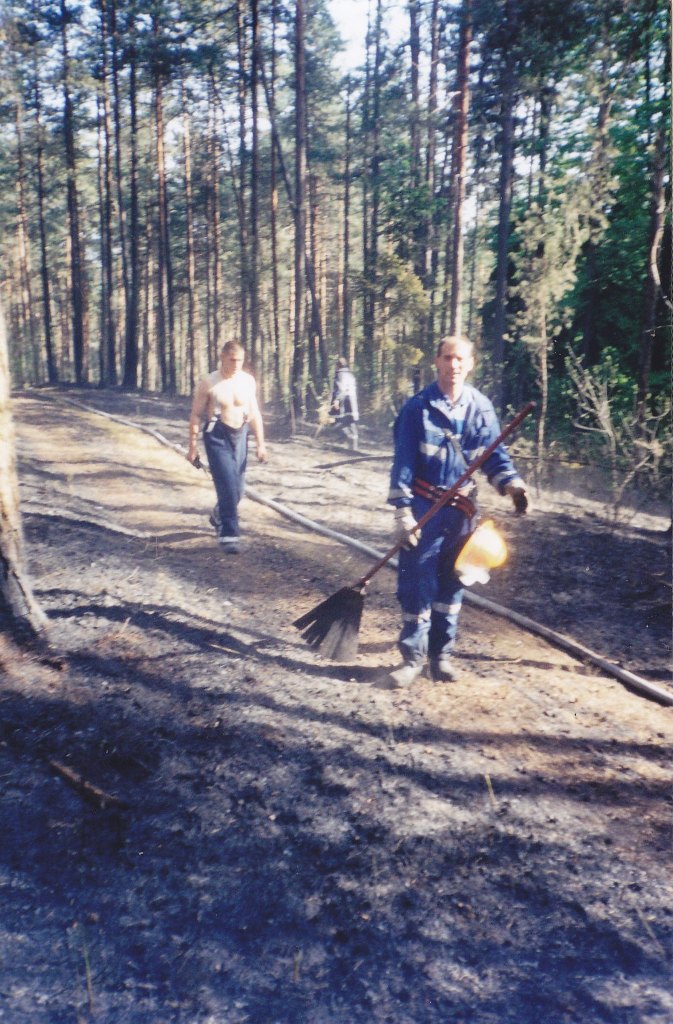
[(404, 524), (519, 498)]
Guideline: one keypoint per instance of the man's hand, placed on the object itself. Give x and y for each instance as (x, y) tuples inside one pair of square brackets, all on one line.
[(404, 524), (519, 498), (262, 454), (193, 457)]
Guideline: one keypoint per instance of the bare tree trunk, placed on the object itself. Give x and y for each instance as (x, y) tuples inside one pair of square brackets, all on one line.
[(345, 288), (461, 106), (25, 273), (214, 192), (598, 174), (18, 608), (104, 302), (107, 340), (77, 273), (298, 363), (373, 184), (431, 252), (505, 188), (193, 348), (278, 363), (52, 369), (165, 341), (131, 347), (653, 281), (255, 354), (312, 267), (419, 234), (244, 275)]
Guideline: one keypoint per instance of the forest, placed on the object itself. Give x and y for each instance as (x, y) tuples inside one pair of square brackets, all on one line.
[(175, 173)]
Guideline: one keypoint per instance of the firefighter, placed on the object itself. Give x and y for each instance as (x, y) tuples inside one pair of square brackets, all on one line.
[(436, 435)]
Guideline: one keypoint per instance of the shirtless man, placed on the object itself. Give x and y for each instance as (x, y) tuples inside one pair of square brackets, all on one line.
[(225, 403)]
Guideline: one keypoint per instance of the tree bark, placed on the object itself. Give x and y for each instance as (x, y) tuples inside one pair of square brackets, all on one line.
[(193, 347), (459, 162), (244, 275), (371, 211), (299, 360), (18, 608), (345, 288), (52, 369), (511, 29), (107, 317), (653, 281), (132, 307), (278, 362), (255, 354), (77, 273), (25, 272)]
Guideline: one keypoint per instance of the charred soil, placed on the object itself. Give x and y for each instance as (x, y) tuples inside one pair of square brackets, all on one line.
[(205, 822)]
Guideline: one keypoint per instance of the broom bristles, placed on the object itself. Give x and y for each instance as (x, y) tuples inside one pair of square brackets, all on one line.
[(333, 625)]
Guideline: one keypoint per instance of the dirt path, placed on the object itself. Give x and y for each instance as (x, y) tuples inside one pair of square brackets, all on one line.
[(285, 839)]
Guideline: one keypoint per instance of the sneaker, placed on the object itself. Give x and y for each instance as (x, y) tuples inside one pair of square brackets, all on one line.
[(405, 675), (442, 671)]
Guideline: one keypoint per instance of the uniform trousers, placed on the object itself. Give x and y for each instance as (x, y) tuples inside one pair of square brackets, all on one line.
[(428, 590), (227, 452)]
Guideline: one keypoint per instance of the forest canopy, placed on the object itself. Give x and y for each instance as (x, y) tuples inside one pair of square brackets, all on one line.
[(174, 173)]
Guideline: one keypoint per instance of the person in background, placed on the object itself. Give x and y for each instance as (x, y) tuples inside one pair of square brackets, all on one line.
[(225, 406), (437, 433), (344, 402)]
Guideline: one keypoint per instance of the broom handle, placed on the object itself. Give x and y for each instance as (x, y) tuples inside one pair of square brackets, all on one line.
[(450, 493)]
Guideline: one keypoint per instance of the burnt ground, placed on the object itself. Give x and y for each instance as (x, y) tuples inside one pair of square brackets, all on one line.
[(205, 822)]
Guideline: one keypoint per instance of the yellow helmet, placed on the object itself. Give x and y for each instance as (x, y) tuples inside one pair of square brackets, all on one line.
[(485, 549)]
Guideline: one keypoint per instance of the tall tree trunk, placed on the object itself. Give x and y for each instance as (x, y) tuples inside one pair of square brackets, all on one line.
[(321, 367), (107, 318), (132, 306), (459, 162), (278, 363), (653, 281), (511, 29), (373, 184), (193, 347), (117, 117), (255, 354), (77, 273), (18, 608), (214, 193), (104, 303), (345, 288), (298, 362), (431, 253), (25, 271), (419, 235), (52, 368), (242, 170), (165, 341), (598, 176)]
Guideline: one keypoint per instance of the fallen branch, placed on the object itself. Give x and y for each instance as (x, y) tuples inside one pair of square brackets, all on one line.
[(87, 789)]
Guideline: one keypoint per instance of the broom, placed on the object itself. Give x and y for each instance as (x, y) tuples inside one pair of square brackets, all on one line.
[(333, 625)]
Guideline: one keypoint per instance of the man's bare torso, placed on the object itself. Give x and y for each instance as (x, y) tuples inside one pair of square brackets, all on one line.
[(231, 398)]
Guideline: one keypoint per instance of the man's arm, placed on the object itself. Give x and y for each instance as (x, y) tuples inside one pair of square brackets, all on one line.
[(257, 424), (199, 404)]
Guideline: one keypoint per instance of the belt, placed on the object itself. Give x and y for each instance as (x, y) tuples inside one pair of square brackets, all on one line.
[(423, 489)]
